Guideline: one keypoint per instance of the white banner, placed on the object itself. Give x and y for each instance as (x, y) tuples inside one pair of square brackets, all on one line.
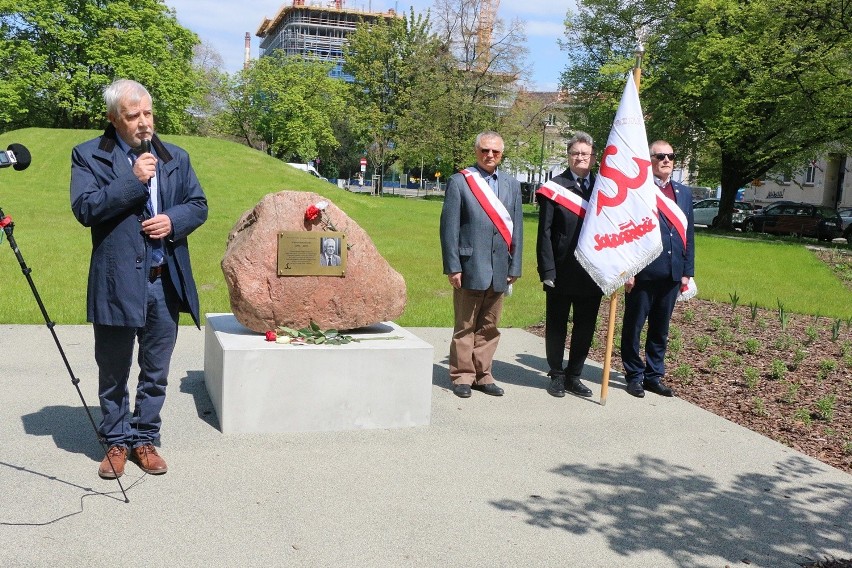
[(621, 232)]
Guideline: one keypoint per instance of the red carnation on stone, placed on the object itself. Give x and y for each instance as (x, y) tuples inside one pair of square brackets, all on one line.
[(312, 212), (270, 336)]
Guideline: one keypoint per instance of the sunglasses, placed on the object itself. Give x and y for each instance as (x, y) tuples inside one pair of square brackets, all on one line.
[(486, 151), (661, 156)]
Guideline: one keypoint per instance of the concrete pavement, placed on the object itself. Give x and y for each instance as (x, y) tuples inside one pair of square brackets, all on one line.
[(522, 480)]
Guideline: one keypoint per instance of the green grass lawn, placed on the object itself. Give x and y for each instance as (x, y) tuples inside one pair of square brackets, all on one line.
[(56, 248)]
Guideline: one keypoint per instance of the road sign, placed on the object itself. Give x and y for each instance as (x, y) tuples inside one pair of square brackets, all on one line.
[(363, 161)]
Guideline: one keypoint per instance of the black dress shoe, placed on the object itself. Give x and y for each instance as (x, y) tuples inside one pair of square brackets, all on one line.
[(461, 391), (575, 386), (557, 385), (658, 387), (490, 388), (635, 388)]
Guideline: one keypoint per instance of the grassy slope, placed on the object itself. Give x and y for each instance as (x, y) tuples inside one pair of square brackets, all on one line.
[(234, 177)]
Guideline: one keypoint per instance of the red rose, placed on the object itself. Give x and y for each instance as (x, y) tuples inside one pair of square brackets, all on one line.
[(312, 213), (270, 336)]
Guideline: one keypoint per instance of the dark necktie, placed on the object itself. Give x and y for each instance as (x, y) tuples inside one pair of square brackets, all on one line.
[(157, 255), (583, 186)]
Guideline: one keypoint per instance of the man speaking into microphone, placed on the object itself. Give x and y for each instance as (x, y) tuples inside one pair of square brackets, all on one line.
[(141, 199)]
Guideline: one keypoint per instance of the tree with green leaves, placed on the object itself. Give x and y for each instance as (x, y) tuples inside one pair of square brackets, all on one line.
[(478, 79), (286, 106), (56, 57), (208, 99), (389, 60), (740, 88)]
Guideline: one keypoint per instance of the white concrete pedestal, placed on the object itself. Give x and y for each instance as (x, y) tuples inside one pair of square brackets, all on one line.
[(261, 386)]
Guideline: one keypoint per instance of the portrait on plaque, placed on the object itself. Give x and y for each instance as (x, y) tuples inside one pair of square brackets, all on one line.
[(328, 253), (303, 253)]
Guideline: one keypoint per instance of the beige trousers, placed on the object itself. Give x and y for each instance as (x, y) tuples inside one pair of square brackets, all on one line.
[(475, 335)]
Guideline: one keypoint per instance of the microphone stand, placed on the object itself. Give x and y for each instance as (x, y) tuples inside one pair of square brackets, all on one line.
[(8, 227)]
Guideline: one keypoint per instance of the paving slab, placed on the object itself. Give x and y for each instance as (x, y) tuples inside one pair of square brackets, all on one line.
[(521, 480)]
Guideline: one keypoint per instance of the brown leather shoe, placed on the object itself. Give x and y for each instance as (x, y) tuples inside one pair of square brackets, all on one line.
[(148, 460), (117, 455)]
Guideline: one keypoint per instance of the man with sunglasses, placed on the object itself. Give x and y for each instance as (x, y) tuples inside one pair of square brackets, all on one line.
[(481, 241), (568, 287), (651, 294)]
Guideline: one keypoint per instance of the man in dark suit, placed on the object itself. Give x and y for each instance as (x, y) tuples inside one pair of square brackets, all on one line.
[(651, 294), (329, 258), (568, 287), (141, 199), (481, 242)]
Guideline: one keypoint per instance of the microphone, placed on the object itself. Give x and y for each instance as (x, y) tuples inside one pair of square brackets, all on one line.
[(17, 156), (144, 147)]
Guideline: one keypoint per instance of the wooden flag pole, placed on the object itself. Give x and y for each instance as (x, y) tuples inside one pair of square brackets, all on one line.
[(613, 300)]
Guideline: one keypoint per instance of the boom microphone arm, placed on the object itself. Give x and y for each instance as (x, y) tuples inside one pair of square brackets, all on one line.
[(8, 226)]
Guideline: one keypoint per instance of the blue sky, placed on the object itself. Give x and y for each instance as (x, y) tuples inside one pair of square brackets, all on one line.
[(224, 24)]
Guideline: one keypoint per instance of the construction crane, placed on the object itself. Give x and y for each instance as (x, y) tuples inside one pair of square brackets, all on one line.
[(487, 17)]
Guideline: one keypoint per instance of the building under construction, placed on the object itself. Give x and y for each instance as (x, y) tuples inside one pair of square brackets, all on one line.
[(315, 31)]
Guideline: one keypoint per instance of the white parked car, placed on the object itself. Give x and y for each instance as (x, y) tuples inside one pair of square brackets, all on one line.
[(706, 212)]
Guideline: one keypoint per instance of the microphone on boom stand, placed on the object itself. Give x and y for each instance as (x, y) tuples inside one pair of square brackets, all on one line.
[(19, 158)]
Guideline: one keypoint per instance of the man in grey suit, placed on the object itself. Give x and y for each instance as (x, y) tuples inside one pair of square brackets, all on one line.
[(481, 245), (141, 199)]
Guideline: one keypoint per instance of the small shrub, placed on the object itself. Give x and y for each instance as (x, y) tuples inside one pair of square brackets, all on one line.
[(759, 407), (689, 316), (798, 356), (751, 376), (716, 323), (714, 362), (675, 347), (702, 342), (778, 369), (825, 407), (752, 345), (726, 336), (736, 321), (792, 392), (812, 334), (684, 373), (826, 367), (803, 415), (784, 342), (846, 353)]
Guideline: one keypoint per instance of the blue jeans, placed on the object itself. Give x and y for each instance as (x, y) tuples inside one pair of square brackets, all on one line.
[(114, 356)]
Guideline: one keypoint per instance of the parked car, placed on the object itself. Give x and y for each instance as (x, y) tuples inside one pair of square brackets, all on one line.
[(706, 212), (802, 219), (846, 217)]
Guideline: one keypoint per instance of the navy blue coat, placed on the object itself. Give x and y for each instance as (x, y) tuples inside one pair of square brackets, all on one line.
[(107, 197), (675, 261)]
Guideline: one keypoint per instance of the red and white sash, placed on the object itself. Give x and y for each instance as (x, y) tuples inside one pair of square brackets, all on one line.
[(561, 195), (493, 207), (673, 213)]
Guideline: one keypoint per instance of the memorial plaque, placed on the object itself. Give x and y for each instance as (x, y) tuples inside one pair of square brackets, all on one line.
[(303, 253)]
